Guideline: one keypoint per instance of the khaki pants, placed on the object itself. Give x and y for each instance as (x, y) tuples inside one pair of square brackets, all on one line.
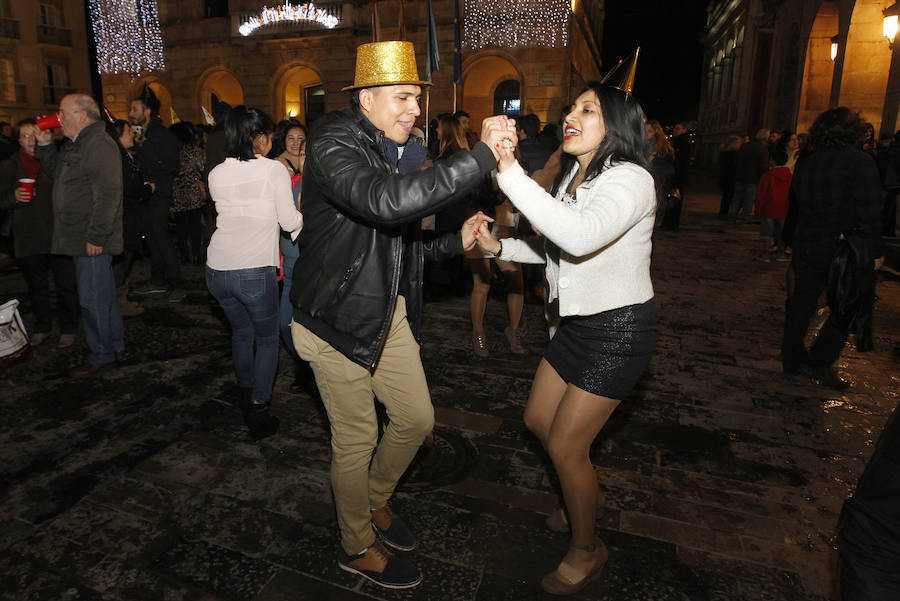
[(359, 481)]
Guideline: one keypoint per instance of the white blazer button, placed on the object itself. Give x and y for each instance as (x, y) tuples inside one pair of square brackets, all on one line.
[(563, 282)]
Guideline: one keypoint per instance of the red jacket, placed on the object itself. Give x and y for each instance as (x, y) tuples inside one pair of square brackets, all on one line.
[(772, 193)]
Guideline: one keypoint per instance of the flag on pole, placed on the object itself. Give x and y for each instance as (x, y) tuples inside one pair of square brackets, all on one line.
[(209, 118), (434, 59), (175, 118), (376, 24), (402, 20), (457, 44)]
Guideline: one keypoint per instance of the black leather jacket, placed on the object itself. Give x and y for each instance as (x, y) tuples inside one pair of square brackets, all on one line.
[(361, 232)]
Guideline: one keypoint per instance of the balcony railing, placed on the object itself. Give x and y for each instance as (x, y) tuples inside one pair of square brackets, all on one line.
[(53, 94), (12, 92), (9, 28), (54, 35)]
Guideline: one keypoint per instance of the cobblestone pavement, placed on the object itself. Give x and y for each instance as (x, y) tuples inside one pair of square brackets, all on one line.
[(724, 479)]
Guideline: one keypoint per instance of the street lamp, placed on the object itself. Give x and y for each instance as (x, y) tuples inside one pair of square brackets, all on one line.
[(891, 17), (834, 47)]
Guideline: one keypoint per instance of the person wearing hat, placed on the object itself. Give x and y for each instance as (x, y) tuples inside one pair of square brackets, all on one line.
[(597, 224), (357, 291)]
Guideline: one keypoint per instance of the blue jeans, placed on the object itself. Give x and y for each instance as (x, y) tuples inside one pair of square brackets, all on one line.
[(742, 202), (249, 298), (103, 328)]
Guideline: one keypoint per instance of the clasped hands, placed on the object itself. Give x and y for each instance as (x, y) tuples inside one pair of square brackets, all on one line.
[(499, 133), (476, 229)]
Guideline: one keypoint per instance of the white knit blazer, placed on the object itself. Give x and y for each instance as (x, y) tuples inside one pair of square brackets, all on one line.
[(603, 236)]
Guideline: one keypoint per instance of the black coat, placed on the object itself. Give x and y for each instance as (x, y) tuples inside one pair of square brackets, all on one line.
[(361, 232), (157, 157)]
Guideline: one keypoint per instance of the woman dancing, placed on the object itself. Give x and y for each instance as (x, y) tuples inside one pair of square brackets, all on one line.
[(597, 226)]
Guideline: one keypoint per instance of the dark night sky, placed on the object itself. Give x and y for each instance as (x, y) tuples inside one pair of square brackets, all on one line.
[(669, 33)]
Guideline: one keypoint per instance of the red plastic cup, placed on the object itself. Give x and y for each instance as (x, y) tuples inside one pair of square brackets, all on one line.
[(49, 122), (27, 185)]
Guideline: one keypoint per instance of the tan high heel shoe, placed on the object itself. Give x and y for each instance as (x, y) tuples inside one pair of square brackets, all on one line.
[(566, 580)]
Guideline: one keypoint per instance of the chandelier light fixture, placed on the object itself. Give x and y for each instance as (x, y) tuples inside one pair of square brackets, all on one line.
[(286, 13)]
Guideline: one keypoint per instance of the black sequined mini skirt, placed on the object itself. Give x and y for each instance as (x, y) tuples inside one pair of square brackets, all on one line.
[(607, 352)]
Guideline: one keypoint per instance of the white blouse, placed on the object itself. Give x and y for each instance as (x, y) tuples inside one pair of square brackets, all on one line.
[(602, 235), (253, 198)]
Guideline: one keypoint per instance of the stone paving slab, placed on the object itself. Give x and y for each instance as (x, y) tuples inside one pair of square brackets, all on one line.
[(723, 478)]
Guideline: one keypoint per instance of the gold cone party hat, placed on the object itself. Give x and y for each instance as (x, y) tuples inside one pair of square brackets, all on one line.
[(622, 75), (385, 64)]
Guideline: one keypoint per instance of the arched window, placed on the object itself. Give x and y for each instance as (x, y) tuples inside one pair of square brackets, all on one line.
[(508, 98)]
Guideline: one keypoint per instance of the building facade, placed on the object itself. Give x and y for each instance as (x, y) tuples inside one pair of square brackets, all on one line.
[(43, 55), (780, 63), (297, 67)]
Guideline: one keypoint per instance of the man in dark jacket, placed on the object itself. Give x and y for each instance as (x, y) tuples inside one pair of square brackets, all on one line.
[(837, 193), (157, 158), (752, 162), (357, 291), (87, 221)]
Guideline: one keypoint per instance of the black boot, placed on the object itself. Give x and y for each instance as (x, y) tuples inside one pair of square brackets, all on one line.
[(260, 422)]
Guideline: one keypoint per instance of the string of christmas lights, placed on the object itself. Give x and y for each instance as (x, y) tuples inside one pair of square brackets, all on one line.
[(127, 36), (516, 23), (289, 12)]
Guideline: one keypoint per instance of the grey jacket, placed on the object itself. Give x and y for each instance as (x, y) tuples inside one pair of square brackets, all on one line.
[(87, 192)]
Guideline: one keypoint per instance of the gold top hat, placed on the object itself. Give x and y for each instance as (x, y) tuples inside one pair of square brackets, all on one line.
[(385, 64), (622, 75)]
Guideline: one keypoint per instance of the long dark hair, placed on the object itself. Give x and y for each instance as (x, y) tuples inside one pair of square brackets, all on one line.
[(624, 139), (242, 126)]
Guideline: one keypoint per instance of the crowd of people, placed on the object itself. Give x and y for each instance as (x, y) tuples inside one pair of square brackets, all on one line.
[(347, 213)]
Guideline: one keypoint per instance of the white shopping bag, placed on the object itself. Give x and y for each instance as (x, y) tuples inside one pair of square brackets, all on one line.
[(14, 344)]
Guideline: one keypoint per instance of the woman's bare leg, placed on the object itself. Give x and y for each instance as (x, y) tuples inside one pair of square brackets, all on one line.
[(515, 288), (481, 286), (579, 418), (547, 391)]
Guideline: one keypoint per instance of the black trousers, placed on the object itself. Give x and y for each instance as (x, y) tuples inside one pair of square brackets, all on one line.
[(37, 269), (811, 261), (165, 270), (189, 229)]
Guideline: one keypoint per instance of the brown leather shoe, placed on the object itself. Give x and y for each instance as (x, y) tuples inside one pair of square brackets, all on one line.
[(514, 339), (65, 340), (87, 369), (479, 344), (38, 338)]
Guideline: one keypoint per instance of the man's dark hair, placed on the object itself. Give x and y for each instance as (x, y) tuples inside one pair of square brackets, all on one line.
[(149, 100), (3, 124), (837, 127), (462, 113), (530, 124), (242, 126), (624, 139)]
